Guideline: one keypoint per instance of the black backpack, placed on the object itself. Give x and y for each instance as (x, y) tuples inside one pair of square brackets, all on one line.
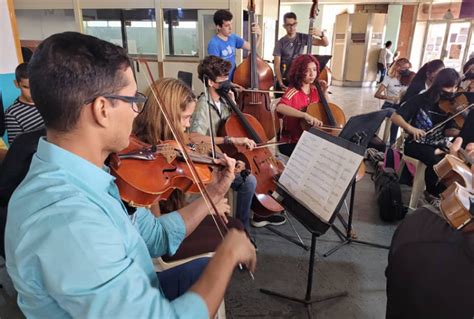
[(389, 195)]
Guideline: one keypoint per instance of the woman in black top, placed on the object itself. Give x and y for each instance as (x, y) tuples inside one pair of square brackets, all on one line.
[(423, 79), (420, 114)]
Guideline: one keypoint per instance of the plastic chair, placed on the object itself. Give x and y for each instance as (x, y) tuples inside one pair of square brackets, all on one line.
[(186, 77), (418, 182)]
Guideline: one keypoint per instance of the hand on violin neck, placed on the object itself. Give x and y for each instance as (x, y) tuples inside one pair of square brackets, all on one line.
[(456, 147)]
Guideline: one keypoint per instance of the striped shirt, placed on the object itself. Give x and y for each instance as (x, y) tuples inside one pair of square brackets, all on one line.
[(20, 118)]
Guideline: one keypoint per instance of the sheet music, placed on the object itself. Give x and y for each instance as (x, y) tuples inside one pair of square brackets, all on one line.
[(318, 173)]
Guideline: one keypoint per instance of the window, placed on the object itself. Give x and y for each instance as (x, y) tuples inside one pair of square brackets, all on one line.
[(180, 32), (136, 28), (40, 24)]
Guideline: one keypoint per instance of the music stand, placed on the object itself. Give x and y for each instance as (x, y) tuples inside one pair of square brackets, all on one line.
[(313, 223), (359, 130), (323, 60)]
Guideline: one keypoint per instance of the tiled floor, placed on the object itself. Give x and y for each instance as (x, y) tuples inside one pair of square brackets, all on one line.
[(282, 266)]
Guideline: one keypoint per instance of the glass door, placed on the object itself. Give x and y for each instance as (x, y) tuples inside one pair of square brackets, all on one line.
[(456, 44), (434, 42)]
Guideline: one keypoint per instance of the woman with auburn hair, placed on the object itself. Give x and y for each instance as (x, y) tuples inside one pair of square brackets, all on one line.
[(392, 89), (300, 93)]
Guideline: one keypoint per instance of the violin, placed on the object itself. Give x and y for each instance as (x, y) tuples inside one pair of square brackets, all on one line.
[(452, 169), (455, 200), (456, 106), (146, 174), (256, 75), (455, 204), (213, 211)]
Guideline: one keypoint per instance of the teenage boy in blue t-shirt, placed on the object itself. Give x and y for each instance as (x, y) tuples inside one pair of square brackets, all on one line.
[(224, 43)]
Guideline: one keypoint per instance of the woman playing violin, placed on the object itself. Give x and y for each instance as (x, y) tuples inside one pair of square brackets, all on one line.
[(151, 128), (300, 93), (422, 113)]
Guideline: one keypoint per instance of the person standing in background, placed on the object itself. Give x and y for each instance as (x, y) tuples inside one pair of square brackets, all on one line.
[(224, 43), (292, 45), (384, 61)]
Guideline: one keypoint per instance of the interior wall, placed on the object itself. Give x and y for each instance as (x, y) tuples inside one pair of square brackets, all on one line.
[(394, 15), (40, 24)]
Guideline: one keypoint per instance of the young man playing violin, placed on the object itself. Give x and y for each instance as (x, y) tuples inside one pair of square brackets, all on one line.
[(300, 93), (72, 249), (216, 71), (421, 114), (430, 272), (292, 45)]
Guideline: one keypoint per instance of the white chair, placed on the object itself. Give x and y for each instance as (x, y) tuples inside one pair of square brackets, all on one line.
[(418, 182)]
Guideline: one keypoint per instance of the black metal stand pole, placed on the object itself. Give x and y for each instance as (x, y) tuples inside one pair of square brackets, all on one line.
[(348, 236), (307, 301)]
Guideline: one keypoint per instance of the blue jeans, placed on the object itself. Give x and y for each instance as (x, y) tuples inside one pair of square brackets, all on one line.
[(391, 108), (382, 70), (245, 191), (176, 281)]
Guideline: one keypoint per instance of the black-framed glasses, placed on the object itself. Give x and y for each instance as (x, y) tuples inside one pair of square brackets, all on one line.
[(137, 102), (291, 25)]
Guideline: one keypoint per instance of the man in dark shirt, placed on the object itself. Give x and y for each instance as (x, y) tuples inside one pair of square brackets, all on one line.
[(292, 45), (430, 272), (17, 162)]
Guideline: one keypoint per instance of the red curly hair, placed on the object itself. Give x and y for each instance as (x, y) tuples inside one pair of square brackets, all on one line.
[(299, 68)]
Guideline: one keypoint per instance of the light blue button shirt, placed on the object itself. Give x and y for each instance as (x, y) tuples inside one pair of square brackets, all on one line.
[(73, 251)]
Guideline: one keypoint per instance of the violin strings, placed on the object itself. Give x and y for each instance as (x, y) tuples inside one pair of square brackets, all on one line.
[(197, 179)]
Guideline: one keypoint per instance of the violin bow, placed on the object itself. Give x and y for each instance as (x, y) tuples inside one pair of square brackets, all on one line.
[(211, 127), (202, 189), (434, 128)]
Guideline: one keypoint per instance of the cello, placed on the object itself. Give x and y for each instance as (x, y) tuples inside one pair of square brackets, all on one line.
[(329, 113), (261, 161), (255, 74)]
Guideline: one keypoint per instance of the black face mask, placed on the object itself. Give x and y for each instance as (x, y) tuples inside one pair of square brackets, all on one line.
[(404, 72), (469, 76), (224, 87), (447, 95)]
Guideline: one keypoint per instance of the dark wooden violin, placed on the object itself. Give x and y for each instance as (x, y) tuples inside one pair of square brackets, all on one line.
[(455, 173), (146, 174), (458, 106), (255, 75)]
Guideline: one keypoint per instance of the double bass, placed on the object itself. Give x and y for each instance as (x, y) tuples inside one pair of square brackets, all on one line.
[(255, 74)]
